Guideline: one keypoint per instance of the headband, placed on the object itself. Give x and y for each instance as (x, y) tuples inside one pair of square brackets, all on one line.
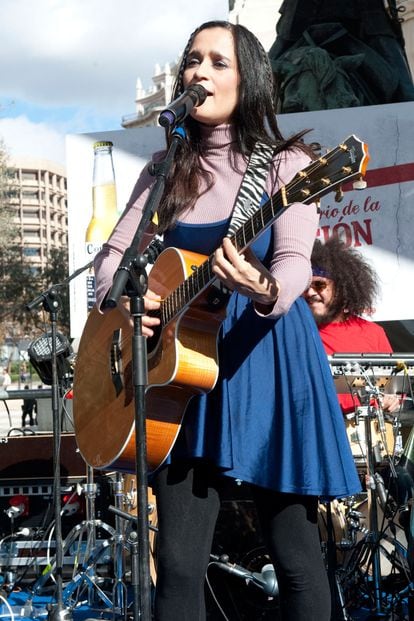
[(318, 271)]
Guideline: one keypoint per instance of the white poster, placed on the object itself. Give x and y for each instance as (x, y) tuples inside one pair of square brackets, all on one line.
[(377, 220), (131, 150)]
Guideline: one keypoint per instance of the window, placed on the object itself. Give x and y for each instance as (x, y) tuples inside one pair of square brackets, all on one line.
[(31, 252), (29, 175), (30, 214), (31, 234), (30, 195)]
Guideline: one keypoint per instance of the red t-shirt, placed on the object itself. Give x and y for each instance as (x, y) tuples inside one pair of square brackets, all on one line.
[(354, 336)]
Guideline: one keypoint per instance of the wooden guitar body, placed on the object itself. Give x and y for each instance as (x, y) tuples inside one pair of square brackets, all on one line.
[(182, 362)]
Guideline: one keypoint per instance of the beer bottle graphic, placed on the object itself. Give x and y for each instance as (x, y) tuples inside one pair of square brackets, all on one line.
[(104, 209)]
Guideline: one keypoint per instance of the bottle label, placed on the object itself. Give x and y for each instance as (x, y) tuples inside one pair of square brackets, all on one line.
[(92, 248), (90, 291)]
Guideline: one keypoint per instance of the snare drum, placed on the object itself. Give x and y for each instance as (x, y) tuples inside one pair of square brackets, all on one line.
[(338, 526)]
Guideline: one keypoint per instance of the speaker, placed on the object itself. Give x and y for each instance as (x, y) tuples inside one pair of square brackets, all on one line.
[(40, 354)]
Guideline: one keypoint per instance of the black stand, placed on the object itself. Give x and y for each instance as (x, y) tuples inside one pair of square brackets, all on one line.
[(378, 611), (51, 303), (131, 279), (331, 560)]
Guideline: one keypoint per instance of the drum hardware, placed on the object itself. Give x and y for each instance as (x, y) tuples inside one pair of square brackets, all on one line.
[(376, 441), (337, 601), (119, 590), (354, 572), (86, 550), (375, 490), (119, 541), (355, 525), (129, 540), (129, 518)]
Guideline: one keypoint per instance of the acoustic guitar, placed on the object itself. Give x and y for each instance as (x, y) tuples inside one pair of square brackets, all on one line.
[(182, 355)]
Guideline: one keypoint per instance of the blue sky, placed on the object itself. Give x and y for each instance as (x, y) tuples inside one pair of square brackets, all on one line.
[(70, 66)]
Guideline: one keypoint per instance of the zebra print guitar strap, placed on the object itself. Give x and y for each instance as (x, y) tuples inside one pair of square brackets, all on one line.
[(248, 199), (251, 189)]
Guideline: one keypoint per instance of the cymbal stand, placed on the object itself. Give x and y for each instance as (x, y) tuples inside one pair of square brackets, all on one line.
[(82, 541), (119, 590), (374, 538), (373, 411)]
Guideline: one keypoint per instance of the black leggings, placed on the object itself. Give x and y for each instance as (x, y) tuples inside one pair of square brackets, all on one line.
[(188, 503)]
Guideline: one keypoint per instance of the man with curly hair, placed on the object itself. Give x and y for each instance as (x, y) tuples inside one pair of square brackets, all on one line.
[(343, 288)]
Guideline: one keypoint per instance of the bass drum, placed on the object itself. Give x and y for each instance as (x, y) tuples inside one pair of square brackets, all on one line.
[(130, 502)]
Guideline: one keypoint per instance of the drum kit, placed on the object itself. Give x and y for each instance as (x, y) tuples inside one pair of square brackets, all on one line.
[(98, 552), (368, 538)]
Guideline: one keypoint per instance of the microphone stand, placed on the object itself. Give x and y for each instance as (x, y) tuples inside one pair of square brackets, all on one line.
[(51, 302), (131, 279)]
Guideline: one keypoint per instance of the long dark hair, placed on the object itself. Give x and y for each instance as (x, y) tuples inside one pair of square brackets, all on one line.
[(254, 119)]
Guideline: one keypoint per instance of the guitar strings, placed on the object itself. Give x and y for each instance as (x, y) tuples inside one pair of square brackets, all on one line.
[(170, 307), (201, 277)]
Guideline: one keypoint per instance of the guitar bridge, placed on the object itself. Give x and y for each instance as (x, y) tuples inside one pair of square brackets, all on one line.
[(116, 362)]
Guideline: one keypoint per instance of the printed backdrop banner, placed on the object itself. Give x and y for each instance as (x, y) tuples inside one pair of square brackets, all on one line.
[(377, 220)]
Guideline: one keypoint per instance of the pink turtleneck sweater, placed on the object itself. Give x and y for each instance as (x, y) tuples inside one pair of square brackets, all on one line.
[(294, 232)]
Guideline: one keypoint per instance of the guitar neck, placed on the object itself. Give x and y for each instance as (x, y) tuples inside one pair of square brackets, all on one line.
[(347, 161)]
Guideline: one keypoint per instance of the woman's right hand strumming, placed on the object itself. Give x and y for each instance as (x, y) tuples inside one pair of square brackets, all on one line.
[(152, 302)]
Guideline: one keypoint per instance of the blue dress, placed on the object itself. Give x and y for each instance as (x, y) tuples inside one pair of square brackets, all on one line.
[(273, 418)]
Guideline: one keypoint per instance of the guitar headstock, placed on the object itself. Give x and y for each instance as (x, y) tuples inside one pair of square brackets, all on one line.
[(347, 161)]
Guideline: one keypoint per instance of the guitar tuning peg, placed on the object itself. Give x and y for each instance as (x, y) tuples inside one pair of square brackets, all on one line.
[(359, 184), (339, 194)]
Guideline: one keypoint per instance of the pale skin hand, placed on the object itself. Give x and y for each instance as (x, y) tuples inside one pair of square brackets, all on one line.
[(245, 274), (151, 302), (390, 403), (241, 272)]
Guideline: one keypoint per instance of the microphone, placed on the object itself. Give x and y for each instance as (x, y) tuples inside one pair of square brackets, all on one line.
[(24, 532), (383, 496), (265, 579), (13, 511), (181, 107)]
